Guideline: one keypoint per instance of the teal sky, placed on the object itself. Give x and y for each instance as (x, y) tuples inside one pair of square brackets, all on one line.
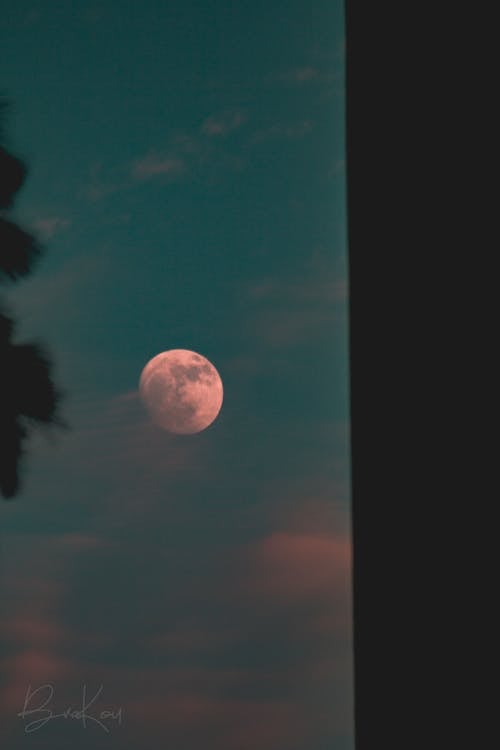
[(187, 179)]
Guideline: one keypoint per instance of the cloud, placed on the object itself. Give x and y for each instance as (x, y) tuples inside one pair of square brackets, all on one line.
[(154, 165), (289, 311), (297, 76), (295, 291), (315, 504), (182, 153), (43, 296), (50, 226), (204, 642), (222, 124), (337, 168), (112, 444), (306, 75), (185, 143), (289, 131), (292, 567), (230, 647), (301, 75), (29, 628), (146, 167), (99, 190), (294, 591), (225, 723)]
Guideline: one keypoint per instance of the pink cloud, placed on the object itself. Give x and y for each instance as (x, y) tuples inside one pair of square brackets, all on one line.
[(192, 704), (182, 702), (35, 630), (315, 505), (268, 727), (32, 666), (292, 566), (38, 642), (302, 582), (31, 629), (230, 723)]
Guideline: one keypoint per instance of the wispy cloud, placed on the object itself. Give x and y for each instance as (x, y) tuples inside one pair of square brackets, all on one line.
[(337, 168), (322, 77), (283, 130), (197, 153), (30, 628), (292, 567), (44, 295), (302, 75), (153, 165), (51, 225), (185, 144), (98, 190), (222, 124), (148, 166), (236, 721), (297, 76), (255, 668), (292, 310)]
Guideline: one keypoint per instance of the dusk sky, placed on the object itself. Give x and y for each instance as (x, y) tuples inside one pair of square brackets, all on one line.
[(187, 179)]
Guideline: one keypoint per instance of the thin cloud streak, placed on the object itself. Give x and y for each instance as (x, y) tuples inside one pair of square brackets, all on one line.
[(288, 131), (154, 165), (304, 76), (220, 125), (50, 226), (289, 311)]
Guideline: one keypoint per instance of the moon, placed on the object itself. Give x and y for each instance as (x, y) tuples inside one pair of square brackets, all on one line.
[(181, 390)]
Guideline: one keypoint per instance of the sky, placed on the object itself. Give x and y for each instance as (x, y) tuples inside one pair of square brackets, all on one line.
[(187, 180)]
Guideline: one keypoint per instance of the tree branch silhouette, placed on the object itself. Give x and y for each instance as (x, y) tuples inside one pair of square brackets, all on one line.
[(28, 397)]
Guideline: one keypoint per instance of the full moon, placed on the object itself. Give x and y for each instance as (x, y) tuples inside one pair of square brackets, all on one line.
[(181, 390)]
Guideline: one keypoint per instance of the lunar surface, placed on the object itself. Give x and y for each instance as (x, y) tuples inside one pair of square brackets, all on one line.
[(181, 390)]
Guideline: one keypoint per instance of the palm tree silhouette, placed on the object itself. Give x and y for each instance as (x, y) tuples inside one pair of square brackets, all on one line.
[(28, 397)]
